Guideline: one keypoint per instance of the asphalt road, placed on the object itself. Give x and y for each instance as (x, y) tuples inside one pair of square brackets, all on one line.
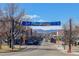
[(44, 50)]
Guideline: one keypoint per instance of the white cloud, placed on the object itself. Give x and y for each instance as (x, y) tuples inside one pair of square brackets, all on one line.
[(41, 20), (4, 11), (30, 16), (33, 16)]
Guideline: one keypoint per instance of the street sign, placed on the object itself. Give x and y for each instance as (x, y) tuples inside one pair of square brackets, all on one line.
[(25, 23)]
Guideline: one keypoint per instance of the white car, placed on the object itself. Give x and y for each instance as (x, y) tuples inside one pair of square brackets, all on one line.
[(77, 41)]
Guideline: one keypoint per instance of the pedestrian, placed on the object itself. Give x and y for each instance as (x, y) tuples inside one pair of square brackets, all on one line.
[(21, 40), (63, 44), (43, 42), (75, 43)]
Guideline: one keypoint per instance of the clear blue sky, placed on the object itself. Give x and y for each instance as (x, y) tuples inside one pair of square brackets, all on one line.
[(52, 11)]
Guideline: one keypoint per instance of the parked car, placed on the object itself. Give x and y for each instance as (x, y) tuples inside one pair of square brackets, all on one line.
[(33, 41), (17, 41), (29, 41), (77, 41)]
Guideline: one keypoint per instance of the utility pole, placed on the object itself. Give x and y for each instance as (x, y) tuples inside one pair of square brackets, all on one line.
[(70, 35), (12, 33), (64, 36)]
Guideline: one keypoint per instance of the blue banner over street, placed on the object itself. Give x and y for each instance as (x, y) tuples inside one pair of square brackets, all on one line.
[(25, 23)]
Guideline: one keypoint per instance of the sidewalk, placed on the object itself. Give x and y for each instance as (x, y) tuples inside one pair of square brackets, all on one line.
[(75, 49), (6, 49)]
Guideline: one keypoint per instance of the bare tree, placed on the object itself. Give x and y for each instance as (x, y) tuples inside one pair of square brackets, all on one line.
[(11, 18), (12, 10)]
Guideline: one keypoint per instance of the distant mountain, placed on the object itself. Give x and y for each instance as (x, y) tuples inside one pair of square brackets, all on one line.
[(45, 31)]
